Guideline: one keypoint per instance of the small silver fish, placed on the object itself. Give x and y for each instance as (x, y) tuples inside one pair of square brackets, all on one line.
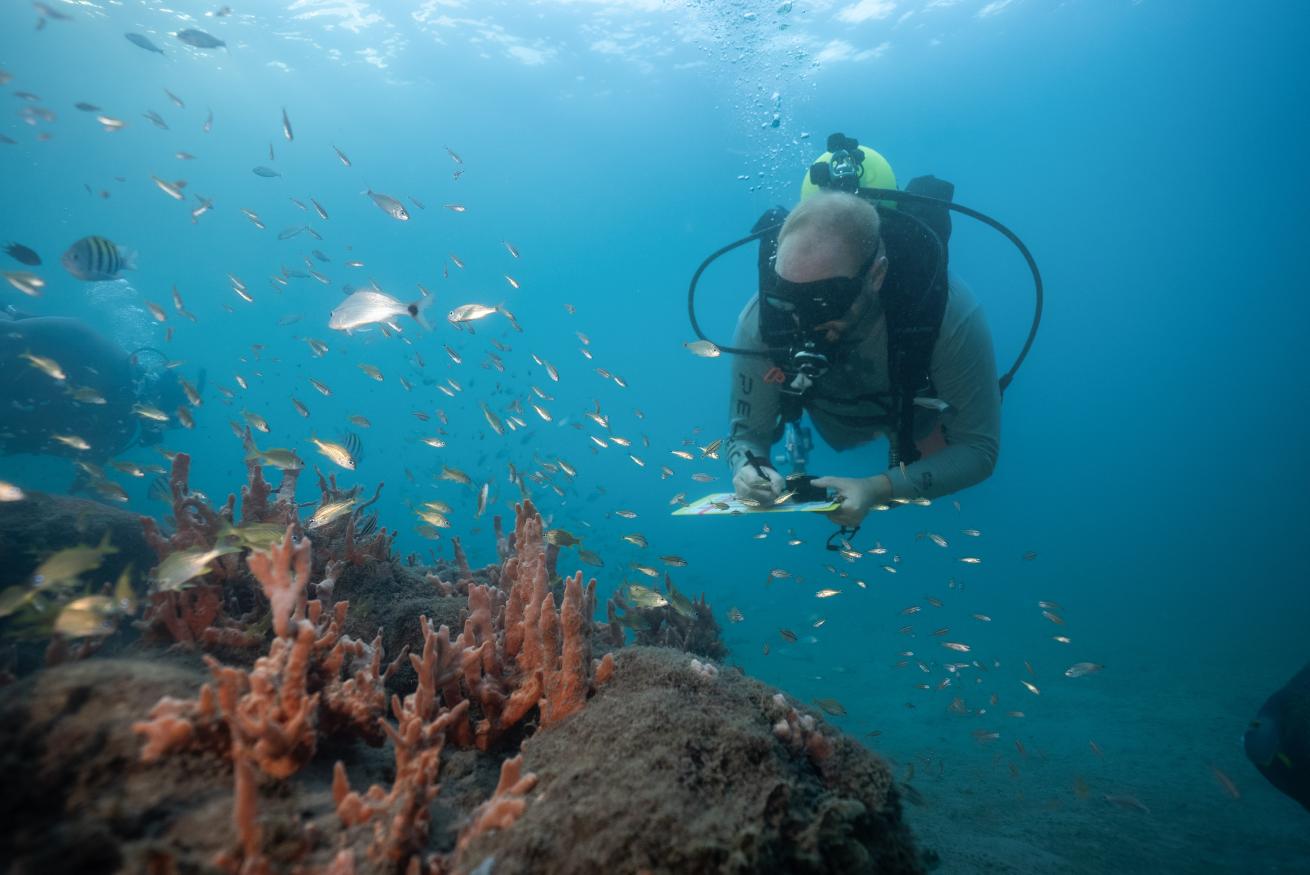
[(172, 189), (389, 205), (469, 312)]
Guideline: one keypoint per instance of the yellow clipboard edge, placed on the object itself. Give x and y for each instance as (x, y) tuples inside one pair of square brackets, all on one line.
[(709, 506)]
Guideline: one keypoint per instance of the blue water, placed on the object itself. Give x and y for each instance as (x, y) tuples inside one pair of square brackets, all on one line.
[(1148, 153)]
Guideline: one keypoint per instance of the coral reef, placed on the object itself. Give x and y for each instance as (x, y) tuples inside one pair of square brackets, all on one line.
[(516, 653), (505, 740), (681, 623)]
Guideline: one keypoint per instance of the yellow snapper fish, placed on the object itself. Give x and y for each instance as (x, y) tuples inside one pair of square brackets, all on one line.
[(275, 457), (455, 475), (336, 453), (434, 518), (181, 567), (87, 395), (372, 306), (255, 536), (329, 512), (72, 562), (48, 366), (680, 602), (257, 422), (561, 538), (831, 706), (492, 419), (91, 616), (124, 595), (644, 596), (146, 411), (57, 570)]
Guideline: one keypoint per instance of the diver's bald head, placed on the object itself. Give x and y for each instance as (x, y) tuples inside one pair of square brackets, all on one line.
[(828, 234)]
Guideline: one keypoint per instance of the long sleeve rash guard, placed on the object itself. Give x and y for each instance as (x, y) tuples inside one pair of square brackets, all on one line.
[(851, 404)]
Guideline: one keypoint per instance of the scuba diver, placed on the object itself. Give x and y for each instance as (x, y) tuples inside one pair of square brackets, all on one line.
[(99, 400), (859, 323)]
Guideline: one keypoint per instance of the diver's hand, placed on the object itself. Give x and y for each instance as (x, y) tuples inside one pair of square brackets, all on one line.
[(748, 483), (858, 496)]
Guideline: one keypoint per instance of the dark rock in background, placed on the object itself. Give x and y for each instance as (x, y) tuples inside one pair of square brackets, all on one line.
[(41, 524)]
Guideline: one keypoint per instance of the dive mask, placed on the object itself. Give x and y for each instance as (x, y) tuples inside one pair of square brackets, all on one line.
[(791, 312)]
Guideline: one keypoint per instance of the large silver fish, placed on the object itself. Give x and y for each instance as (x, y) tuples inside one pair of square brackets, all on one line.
[(370, 306), (95, 259)]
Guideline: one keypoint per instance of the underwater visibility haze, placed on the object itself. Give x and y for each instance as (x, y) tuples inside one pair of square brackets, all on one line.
[(369, 501)]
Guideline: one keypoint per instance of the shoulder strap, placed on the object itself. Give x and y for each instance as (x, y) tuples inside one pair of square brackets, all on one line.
[(772, 219), (914, 299)]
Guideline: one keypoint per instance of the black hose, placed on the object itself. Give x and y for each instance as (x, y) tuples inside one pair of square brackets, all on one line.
[(897, 195)]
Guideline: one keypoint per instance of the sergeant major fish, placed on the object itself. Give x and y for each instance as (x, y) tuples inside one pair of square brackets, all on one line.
[(95, 259)]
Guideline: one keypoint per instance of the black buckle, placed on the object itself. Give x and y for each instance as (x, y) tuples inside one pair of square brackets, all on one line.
[(846, 534)]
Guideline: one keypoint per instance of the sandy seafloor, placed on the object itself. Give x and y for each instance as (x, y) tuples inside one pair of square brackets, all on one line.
[(1158, 737)]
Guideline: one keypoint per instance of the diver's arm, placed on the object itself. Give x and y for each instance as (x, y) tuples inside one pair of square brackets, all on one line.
[(753, 405), (964, 373)]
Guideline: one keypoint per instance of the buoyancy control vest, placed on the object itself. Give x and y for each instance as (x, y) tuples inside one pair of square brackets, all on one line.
[(916, 234)]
